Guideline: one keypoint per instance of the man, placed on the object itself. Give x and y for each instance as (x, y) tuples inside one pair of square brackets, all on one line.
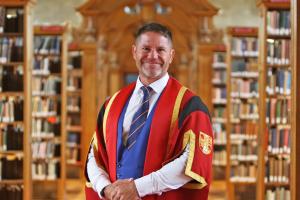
[(153, 138)]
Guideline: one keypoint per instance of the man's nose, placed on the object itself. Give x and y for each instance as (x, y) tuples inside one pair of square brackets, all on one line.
[(153, 53)]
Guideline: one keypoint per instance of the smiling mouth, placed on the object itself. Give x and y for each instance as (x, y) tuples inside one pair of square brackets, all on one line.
[(152, 63)]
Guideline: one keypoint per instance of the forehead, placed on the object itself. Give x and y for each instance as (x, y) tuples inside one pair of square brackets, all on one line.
[(153, 38)]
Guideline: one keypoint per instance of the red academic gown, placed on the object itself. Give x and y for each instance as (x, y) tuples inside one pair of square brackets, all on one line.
[(180, 118)]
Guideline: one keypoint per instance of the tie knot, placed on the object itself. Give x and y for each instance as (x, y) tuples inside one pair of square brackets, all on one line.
[(146, 90)]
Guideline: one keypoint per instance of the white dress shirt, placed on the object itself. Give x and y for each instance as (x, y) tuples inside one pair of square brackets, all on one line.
[(169, 177)]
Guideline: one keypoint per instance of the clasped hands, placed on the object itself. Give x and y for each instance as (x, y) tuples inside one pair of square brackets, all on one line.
[(121, 190)]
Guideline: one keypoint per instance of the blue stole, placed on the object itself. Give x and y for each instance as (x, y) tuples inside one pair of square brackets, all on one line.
[(130, 163)]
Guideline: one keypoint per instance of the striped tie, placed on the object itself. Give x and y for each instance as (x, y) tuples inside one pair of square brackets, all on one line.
[(139, 118)]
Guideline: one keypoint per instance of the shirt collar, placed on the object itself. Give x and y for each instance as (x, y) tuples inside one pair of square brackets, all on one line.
[(157, 86)]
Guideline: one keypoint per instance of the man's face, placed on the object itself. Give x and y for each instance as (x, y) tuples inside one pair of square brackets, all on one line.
[(153, 53)]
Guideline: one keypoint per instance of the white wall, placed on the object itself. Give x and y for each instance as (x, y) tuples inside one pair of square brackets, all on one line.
[(57, 12), (236, 13)]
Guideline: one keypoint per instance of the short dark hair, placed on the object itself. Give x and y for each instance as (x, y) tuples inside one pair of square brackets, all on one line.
[(154, 27)]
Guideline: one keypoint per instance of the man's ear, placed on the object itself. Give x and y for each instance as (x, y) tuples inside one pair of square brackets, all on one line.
[(172, 55), (133, 51)]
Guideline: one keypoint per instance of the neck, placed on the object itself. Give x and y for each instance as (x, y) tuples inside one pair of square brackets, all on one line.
[(147, 80)]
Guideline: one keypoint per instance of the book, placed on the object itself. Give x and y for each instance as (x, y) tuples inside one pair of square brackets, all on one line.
[(2, 18), (278, 22)]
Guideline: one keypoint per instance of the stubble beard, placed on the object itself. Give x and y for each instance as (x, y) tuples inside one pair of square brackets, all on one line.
[(152, 74)]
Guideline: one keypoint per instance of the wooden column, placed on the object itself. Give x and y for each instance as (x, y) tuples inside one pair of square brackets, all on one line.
[(89, 102), (182, 74), (114, 80), (295, 138), (204, 73), (28, 62)]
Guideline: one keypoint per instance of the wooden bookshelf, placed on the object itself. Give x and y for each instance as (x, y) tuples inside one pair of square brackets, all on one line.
[(15, 152), (74, 119), (242, 115), (219, 116), (49, 102), (204, 74), (90, 89), (276, 87)]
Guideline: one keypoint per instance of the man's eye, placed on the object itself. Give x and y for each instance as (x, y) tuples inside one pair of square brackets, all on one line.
[(145, 48)]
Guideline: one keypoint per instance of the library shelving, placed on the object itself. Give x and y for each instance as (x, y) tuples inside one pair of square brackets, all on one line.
[(295, 154), (49, 75), (15, 94), (275, 92), (295, 150), (74, 128), (219, 116), (242, 115)]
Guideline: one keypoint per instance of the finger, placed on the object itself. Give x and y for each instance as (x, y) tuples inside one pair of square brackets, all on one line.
[(115, 196)]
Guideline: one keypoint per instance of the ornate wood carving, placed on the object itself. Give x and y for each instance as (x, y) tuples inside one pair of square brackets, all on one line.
[(190, 21)]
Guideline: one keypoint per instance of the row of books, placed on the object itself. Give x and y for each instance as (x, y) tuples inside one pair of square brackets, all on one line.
[(74, 83), (73, 138), (74, 59), (11, 49), (219, 112), (245, 151), (48, 86), (244, 65), (243, 173), (219, 93), (219, 57), (45, 128), (45, 107), (9, 75), (45, 149), (244, 46), (241, 88), (11, 109), (279, 193), (279, 141), (219, 77), (11, 167), (279, 81), (279, 22), (73, 103), (247, 128), (73, 154), (46, 45), (11, 138), (11, 192), (44, 65), (278, 51), (46, 170), (73, 120), (277, 170), (219, 133), (220, 136), (219, 158), (11, 19), (244, 111), (278, 111)]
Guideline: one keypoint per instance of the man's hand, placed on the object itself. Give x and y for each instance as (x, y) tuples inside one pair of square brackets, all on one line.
[(121, 190)]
